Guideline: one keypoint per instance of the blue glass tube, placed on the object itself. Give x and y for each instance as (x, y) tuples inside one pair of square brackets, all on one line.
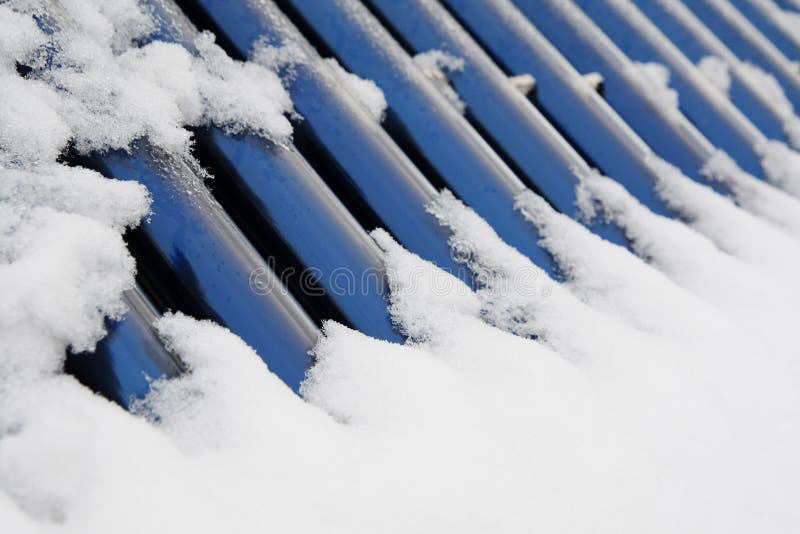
[(288, 201), (748, 43), (697, 42), (789, 5), (521, 48), (422, 122), (668, 132), (192, 255), (128, 358), (358, 159), (708, 109), (511, 119), (283, 204), (768, 22)]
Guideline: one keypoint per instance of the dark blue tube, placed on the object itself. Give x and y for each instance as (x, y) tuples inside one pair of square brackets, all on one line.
[(286, 196), (424, 120), (364, 161), (273, 190), (789, 5), (128, 358), (713, 114), (511, 118), (194, 249), (748, 43), (502, 111), (768, 22), (696, 41), (520, 48), (588, 49)]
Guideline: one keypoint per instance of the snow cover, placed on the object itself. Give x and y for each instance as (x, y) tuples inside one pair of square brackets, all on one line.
[(289, 55), (753, 195), (781, 164), (364, 91), (717, 70), (646, 392), (657, 77), (438, 65), (64, 264)]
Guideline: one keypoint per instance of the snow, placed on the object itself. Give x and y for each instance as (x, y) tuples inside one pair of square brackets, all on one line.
[(716, 70), (772, 92), (437, 65), (753, 195), (781, 166), (657, 76), (289, 55), (653, 391), (780, 163), (365, 92), (63, 263)]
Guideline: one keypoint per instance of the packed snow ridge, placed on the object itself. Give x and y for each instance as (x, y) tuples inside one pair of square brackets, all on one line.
[(646, 391)]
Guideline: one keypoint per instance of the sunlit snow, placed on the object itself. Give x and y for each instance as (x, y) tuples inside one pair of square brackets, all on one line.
[(649, 389)]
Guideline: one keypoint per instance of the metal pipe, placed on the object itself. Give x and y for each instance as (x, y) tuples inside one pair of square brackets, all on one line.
[(708, 109)]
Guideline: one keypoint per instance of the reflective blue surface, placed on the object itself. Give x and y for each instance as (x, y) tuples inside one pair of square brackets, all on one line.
[(424, 122), (194, 244), (748, 43), (588, 120), (365, 161), (696, 42), (285, 196), (588, 49), (503, 112), (128, 358), (783, 38), (708, 109), (789, 5), (288, 196)]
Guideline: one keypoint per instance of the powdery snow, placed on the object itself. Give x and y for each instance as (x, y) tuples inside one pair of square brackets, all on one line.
[(657, 76), (717, 71), (63, 264), (653, 391), (753, 195), (364, 91), (289, 55)]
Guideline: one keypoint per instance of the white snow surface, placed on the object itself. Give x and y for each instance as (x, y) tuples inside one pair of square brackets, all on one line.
[(717, 70), (657, 77), (654, 391), (365, 92)]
